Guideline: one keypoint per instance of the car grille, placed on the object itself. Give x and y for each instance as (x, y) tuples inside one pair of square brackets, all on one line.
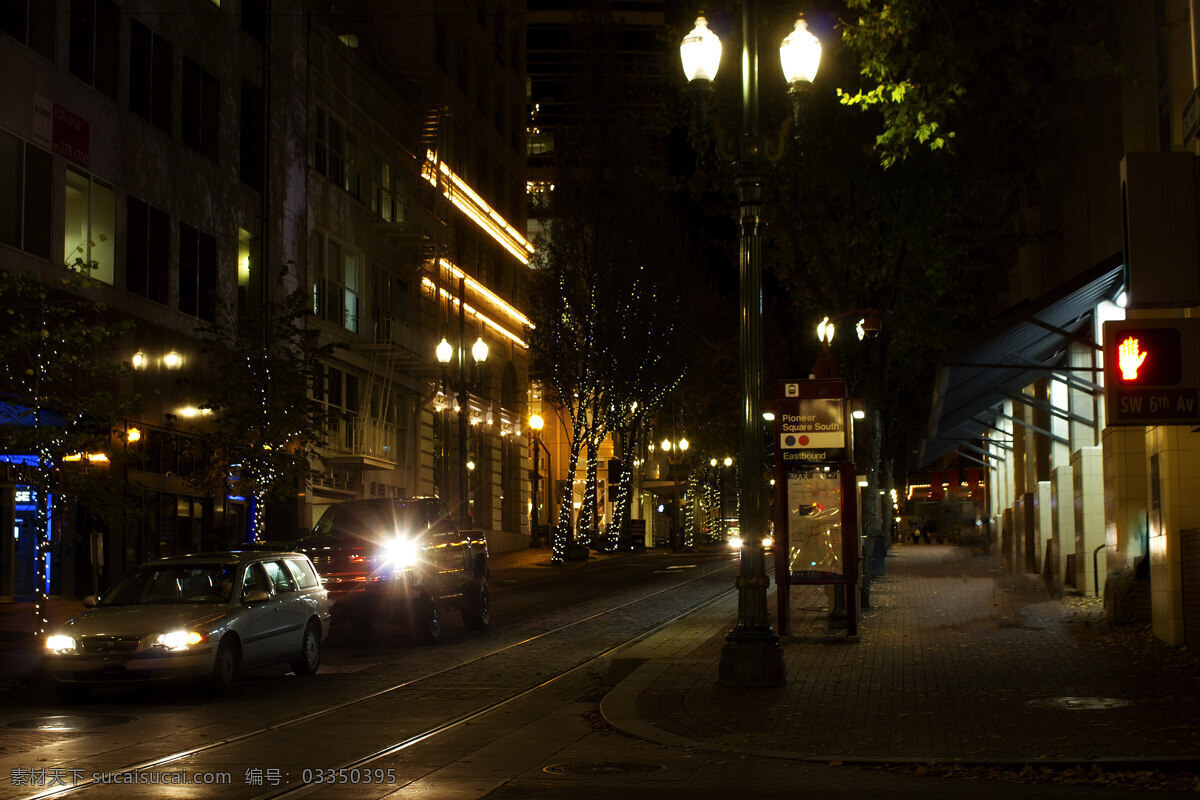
[(109, 644)]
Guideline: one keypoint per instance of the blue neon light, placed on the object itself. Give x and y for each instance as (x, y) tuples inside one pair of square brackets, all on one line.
[(29, 461)]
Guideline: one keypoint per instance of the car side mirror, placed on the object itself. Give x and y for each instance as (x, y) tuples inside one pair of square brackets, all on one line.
[(256, 596), (90, 601)]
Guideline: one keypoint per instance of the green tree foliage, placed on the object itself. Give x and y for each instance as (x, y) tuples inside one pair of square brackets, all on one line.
[(59, 400), (264, 428), (938, 70)]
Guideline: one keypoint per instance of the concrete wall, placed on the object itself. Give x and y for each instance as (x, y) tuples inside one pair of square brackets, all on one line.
[(1174, 505), (1087, 478), (1124, 496)]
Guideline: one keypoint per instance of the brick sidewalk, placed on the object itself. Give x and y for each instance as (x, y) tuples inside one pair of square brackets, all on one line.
[(951, 662)]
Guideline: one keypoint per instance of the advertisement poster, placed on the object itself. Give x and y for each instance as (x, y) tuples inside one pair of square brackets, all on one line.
[(814, 525)]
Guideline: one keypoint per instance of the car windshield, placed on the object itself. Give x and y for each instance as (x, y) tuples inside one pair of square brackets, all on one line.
[(172, 583), (365, 519)]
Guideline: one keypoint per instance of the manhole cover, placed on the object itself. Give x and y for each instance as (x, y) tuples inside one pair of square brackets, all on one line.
[(1080, 703), (68, 723), (603, 768)]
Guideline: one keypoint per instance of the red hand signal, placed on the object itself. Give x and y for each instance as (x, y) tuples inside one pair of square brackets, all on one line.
[(1130, 358)]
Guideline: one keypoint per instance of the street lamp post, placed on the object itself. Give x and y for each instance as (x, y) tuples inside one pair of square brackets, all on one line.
[(462, 387), (673, 452), (752, 655), (535, 425)]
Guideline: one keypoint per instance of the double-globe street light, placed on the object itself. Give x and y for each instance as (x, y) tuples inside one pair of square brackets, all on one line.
[(462, 385), (867, 327), (752, 655), (674, 453)]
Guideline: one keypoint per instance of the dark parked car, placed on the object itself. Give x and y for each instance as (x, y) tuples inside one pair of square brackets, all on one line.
[(400, 560)]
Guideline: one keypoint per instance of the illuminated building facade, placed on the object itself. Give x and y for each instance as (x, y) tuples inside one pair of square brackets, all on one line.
[(217, 154)]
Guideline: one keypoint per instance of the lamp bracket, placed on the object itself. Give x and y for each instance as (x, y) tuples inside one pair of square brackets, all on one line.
[(752, 148)]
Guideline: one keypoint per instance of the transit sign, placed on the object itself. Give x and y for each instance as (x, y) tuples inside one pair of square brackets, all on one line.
[(810, 422)]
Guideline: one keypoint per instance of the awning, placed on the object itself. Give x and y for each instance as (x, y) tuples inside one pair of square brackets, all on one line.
[(1022, 345)]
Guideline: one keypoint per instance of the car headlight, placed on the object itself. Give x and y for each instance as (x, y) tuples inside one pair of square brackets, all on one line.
[(401, 552), (735, 542), (177, 640), (60, 643)]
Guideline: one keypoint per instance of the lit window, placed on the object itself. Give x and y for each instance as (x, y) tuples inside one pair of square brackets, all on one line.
[(89, 219), (335, 290)]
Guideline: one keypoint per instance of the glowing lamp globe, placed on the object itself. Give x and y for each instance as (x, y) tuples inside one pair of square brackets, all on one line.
[(700, 52)]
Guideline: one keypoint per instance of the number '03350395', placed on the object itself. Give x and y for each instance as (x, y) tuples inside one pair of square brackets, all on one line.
[(355, 775)]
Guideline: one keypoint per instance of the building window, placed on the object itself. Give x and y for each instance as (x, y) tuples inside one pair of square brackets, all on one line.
[(335, 290), (151, 65), (201, 99), (441, 43), (248, 250), (251, 132), (389, 306), (24, 196), (338, 392), (335, 153), (461, 59), (30, 22), (95, 35), (197, 273), (254, 19), (89, 219), (147, 250), (387, 200)]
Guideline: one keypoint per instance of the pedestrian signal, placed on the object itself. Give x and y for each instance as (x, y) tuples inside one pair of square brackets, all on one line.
[(1149, 356), (1150, 371)]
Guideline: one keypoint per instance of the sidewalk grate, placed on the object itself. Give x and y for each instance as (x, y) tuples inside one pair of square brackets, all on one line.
[(1080, 703), (603, 768)]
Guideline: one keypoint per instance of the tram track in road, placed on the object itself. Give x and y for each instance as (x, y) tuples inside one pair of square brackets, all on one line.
[(562, 650)]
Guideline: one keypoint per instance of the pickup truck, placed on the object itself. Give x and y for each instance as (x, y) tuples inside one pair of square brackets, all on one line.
[(400, 561)]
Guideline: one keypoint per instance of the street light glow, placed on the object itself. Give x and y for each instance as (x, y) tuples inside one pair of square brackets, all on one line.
[(445, 351), (800, 54), (825, 331), (700, 53), (479, 350)]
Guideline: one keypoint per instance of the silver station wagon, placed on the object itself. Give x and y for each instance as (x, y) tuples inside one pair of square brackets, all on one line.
[(206, 616)]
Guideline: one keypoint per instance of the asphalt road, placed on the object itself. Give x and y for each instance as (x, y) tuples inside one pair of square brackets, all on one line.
[(510, 714)]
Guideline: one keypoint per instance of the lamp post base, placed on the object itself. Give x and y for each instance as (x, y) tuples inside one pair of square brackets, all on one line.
[(751, 658)]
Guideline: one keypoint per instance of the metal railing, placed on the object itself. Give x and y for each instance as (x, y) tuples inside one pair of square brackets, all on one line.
[(363, 437)]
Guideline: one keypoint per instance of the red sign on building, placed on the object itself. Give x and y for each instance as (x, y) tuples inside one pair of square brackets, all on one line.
[(70, 136)]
